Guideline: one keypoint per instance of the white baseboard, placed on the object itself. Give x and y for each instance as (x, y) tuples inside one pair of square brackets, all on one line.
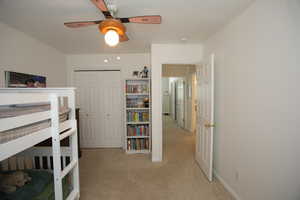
[(227, 187), (156, 158)]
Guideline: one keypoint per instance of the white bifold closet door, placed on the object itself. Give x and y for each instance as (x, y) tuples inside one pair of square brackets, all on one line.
[(99, 97)]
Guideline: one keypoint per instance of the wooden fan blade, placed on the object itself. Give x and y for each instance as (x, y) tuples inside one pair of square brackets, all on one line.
[(150, 19), (81, 24), (101, 5), (124, 38)]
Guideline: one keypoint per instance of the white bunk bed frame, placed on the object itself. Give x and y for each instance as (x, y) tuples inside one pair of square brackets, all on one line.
[(56, 97)]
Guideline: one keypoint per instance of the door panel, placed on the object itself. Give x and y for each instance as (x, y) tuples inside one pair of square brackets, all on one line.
[(205, 116), (112, 110), (99, 99), (180, 84), (85, 100), (166, 95), (173, 101)]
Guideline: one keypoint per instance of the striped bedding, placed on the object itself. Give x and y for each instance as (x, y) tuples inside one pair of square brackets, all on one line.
[(14, 111)]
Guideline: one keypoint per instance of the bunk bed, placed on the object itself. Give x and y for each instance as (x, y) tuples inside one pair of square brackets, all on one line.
[(30, 116)]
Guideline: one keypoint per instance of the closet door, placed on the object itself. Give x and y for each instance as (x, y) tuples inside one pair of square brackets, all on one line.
[(99, 99), (112, 109)]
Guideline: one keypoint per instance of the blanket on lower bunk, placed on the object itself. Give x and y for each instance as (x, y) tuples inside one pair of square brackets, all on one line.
[(41, 187)]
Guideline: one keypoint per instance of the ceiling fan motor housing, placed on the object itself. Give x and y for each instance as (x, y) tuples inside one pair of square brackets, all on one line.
[(112, 24)]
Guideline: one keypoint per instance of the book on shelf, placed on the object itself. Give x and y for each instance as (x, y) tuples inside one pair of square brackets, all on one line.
[(138, 130), (138, 144), (146, 144), (129, 145), (137, 88), (137, 102), (137, 116)]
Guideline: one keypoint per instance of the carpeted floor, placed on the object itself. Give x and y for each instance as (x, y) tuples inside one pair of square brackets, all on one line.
[(110, 174)]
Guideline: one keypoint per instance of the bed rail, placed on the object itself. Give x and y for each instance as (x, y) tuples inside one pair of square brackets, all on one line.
[(8, 98), (15, 122), (36, 158), (20, 144)]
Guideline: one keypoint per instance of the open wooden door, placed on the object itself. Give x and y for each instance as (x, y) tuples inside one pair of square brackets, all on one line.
[(205, 116)]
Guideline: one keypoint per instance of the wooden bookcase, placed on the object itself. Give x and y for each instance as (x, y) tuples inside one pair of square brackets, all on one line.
[(137, 115)]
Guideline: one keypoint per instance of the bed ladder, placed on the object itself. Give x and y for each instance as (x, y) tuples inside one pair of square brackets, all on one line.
[(58, 173)]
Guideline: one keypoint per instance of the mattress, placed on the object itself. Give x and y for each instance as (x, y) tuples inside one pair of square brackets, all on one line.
[(41, 187), (14, 111)]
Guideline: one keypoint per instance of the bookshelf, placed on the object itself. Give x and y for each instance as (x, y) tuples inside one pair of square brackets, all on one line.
[(137, 115)]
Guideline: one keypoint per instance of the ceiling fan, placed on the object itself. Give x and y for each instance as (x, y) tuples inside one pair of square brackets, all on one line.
[(112, 27)]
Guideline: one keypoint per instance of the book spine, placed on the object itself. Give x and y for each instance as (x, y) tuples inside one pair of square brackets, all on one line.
[(128, 145)]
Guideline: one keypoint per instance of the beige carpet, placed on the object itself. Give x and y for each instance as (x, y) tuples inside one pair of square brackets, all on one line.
[(110, 174)]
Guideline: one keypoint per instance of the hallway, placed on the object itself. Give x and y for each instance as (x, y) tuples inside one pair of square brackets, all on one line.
[(110, 174)]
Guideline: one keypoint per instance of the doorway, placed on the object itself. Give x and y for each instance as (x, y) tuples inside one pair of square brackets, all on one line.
[(179, 95), (204, 117), (100, 101)]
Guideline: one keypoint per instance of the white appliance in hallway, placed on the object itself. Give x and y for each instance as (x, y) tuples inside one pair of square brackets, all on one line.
[(99, 96), (205, 117)]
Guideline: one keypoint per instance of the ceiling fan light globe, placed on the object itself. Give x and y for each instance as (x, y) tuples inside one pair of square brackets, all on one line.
[(112, 38)]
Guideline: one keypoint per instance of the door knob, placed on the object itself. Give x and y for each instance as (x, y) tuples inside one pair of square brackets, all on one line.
[(209, 125)]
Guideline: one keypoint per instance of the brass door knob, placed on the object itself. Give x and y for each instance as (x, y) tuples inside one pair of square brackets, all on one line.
[(209, 125)]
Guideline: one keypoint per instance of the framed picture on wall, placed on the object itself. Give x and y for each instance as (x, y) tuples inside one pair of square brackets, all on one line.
[(21, 80)]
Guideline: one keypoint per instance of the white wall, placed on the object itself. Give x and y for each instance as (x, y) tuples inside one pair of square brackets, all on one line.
[(258, 101), (191, 102), (166, 54), (22, 53), (127, 64)]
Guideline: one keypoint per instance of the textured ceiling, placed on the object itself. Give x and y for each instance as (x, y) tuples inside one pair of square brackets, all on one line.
[(193, 19)]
